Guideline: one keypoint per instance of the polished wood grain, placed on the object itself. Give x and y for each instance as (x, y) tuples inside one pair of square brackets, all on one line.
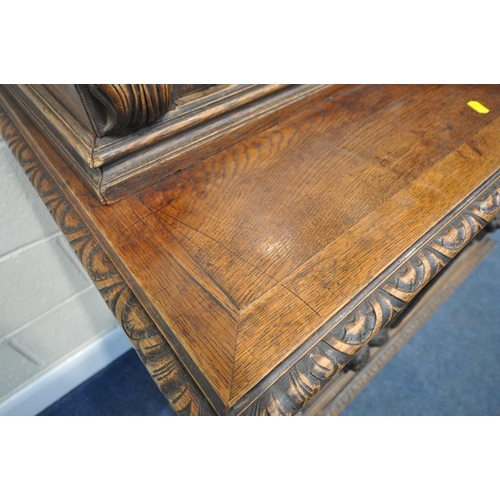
[(280, 249)]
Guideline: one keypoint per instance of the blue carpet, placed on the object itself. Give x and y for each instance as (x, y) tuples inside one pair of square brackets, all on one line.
[(122, 388), (449, 367)]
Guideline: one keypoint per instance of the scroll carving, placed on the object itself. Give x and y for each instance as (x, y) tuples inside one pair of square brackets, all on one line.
[(161, 362), (296, 387), (130, 106), (289, 394)]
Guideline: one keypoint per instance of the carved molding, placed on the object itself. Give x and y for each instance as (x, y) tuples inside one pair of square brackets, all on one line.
[(162, 364), (296, 387), (130, 106)]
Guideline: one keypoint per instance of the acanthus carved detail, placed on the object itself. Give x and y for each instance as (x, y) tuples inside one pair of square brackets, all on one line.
[(289, 394), (296, 386), (161, 362)]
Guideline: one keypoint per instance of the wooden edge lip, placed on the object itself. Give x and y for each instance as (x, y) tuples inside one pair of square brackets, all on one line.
[(181, 392), (309, 368)]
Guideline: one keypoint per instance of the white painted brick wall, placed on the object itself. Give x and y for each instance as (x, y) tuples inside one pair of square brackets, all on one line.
[(49, 308), (21, 219), (35, 279)]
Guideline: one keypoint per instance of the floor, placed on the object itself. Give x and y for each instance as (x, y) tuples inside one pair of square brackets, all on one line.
[(434, 375), (449, 367), (122, 388)]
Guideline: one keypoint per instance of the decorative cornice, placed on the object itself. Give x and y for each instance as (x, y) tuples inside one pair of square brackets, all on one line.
[(296, 387), (130, 106), (162, 364)]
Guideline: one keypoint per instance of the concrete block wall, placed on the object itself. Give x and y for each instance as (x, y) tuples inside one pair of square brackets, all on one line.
[(49, 309)]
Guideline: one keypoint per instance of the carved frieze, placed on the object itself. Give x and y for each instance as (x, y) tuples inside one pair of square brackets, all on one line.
[(162, 364), (296, 387)]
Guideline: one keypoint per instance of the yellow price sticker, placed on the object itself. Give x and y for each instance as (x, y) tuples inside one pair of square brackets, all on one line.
[(477, 106)]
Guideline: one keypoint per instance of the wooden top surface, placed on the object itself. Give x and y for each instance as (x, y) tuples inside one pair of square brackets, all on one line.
[(244, 257)]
